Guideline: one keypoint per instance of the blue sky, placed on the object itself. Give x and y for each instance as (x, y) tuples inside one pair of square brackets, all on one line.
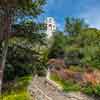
[(87, 9)]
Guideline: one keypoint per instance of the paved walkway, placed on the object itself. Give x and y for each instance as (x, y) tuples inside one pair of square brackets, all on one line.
[(47, 90)]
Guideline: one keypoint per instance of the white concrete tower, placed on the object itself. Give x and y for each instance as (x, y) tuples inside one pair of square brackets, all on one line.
[(51, 26)]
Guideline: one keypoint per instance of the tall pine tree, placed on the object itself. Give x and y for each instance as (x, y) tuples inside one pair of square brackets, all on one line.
[(9, 10)]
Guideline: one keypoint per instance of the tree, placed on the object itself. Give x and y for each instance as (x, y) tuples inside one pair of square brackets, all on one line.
[(74, 25), (57, 48), (9, 10), (23, 52), (82, 42), (88, 41), (84, 46)]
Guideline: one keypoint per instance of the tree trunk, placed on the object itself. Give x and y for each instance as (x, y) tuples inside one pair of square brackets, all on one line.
[(3, 62), (5, 35)]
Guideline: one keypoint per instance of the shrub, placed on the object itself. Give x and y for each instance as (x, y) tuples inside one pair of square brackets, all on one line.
[(76, 68), (97, 90), (17, 90), (17, 96), (88, 90), (66, 85), (69, 85)]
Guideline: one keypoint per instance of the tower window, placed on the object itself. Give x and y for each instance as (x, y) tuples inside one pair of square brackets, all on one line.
[(50, 25)]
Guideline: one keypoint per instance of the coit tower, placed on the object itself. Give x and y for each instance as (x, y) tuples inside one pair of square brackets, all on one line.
[(51, 26)]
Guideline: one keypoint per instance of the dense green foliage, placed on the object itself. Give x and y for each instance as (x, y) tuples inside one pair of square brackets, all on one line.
[(28, 53), (68, 85), (74, 25), (17, 90), (23, 50), (79, 45), (17, 96), (57, 47), (24, 57)]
